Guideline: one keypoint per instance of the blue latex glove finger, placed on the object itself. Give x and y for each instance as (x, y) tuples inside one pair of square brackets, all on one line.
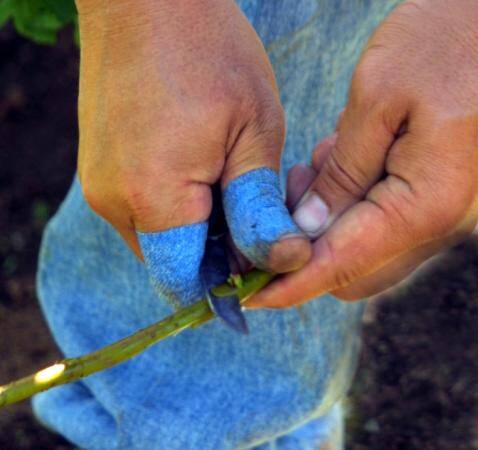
[(260, 224), (173, 259), (184, 263)]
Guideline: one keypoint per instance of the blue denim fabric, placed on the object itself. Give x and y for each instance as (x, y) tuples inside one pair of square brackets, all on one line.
[(210, 388)]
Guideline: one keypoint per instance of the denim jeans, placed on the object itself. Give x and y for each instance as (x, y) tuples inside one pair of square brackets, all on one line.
[(279, 387)]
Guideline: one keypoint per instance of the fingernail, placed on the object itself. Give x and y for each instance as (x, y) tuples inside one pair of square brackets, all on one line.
[(290, 253), (311, 214)]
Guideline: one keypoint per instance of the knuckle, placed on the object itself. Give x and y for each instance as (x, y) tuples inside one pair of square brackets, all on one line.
[(343, 278), (236, 103), (395, 197), (420, 214), (134, 192), (340, 178), (222, 94), (261, 105), (211, 110), (264, 129), (180, 203), (399, 209), (196, 201), (235, 87), (270, 120), (187, 205), (340, 275), (371, 88)]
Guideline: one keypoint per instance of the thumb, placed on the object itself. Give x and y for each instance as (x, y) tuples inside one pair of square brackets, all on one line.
[(259, 222), (392, 220), (394, 228), (355, 163)]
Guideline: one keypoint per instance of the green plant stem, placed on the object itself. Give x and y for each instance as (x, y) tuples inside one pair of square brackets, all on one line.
[(72, 369)]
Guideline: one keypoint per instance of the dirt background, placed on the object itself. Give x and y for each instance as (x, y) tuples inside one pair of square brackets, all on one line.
[(417, 387)]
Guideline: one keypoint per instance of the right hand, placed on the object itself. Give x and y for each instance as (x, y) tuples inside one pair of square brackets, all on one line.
[(174, 97)]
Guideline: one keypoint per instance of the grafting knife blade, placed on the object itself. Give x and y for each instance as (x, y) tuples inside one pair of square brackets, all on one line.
[(229, 310), (215, 269)]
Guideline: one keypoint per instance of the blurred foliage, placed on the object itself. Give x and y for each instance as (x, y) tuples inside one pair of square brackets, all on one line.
[(9, 265), (41, 212), (40, 20)]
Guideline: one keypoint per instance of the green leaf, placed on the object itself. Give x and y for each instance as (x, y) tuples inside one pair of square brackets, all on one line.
[(39, 20), (41, 212), (33, 21), (6, 8), (76, 31), (65, 10)]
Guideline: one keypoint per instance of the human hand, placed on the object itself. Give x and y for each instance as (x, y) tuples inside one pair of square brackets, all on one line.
[(175, 97), (400, 180)]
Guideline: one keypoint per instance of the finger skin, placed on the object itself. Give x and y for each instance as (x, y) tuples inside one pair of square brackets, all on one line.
[(392, 273), (356, 160), (323, 150), (351, 161), (402, 180), (392, 221), (299, 179), (164, 113)]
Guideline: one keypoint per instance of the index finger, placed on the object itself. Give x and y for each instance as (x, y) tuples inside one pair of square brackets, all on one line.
[(394, 218)]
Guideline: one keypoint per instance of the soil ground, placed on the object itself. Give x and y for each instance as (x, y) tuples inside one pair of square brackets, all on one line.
[(417, 385)]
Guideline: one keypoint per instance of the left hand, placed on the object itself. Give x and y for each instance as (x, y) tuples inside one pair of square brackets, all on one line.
[(400, 182)]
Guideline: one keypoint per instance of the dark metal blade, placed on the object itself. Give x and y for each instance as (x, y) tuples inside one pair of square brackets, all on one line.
[(215, 269), (229, 310)]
